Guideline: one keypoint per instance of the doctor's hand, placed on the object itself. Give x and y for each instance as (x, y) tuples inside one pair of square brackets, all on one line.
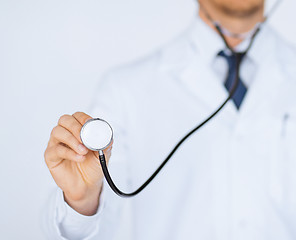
[(75, 169)]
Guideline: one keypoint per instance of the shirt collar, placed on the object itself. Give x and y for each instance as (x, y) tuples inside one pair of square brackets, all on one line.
[(208, 43)]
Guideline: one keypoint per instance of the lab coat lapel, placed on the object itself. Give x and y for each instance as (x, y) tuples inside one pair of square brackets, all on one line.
[(186, 65), (201, 81), (263, 89), (268, 77), (198, 74)]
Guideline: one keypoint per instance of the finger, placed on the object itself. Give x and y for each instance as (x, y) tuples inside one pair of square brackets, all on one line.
[(64, 152), (54, 155), (81, 117), (71, 124), (62, 135)]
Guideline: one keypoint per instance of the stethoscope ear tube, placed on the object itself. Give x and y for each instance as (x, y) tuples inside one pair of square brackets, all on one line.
[(231, 92), (108, 177), (144, 185), (112, 184)]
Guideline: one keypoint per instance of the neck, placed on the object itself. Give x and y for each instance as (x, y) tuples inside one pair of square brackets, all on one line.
[(234, 23)]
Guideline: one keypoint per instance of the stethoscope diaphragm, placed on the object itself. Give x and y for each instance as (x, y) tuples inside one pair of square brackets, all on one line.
[(96, 134)]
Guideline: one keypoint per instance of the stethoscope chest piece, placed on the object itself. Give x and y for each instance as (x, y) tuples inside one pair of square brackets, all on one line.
[(96, 134)]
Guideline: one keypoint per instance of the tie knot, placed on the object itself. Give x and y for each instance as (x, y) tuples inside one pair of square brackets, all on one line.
[(232, 58)]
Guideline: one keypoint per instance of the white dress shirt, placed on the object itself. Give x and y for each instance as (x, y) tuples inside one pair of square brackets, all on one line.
[(234, 179)]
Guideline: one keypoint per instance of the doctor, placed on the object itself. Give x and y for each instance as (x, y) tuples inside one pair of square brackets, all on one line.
[(233, 179)]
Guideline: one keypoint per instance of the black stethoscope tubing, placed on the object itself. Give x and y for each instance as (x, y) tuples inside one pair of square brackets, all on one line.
[(238, 56)]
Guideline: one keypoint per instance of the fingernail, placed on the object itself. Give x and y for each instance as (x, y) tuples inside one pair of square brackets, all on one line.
[(82, 148)]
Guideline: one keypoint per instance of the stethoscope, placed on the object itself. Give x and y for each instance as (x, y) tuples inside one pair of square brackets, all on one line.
[(97, 134)]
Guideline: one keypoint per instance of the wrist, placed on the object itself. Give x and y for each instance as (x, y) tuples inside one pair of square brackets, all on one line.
[(87, 205)]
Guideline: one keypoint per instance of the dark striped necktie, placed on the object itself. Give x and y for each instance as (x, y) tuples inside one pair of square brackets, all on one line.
[(241, 89)]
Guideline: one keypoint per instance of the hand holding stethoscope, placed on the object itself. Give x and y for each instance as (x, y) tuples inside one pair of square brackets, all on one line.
[(75, 168)]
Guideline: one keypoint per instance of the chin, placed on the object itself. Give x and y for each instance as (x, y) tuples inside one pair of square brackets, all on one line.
[(239, 8)]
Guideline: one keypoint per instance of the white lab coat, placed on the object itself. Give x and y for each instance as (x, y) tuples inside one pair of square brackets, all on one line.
[(234, 179)]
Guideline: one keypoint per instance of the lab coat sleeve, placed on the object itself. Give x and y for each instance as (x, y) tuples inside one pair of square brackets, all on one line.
[(63, 221)]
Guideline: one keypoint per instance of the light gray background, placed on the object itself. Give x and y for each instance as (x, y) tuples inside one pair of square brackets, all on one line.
[(52, 54)]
